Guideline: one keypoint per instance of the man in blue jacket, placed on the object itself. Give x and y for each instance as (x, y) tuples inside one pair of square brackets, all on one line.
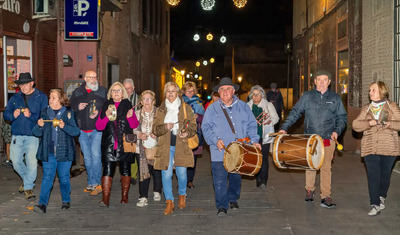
[(23, 111), (219, 134), (326, 116)]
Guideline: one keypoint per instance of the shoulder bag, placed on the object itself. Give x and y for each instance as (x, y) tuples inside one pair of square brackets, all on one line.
[(193, 141)]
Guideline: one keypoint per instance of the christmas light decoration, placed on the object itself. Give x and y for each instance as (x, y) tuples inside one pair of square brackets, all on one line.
[(212, 60), (173, 2), (222, 39), (196, 37), (207, 5), (197, 63), (209, 36), (205, 62), (240, 3)]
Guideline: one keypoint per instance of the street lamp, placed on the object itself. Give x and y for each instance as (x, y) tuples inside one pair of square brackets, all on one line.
[(222, 39), (240, 78), (205, 62), (212, 60), (209, 36), (196, 37)]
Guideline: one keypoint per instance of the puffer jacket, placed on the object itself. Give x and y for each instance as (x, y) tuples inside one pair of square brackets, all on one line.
[(65, 149), (183, 154), (117, 128), (324, 113), (379, 139)]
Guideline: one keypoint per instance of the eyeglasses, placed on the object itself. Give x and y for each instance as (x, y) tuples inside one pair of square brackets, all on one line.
[(190, 91), (171, 91), (91, 77), (147, 99), (116, 90), (257, 94)]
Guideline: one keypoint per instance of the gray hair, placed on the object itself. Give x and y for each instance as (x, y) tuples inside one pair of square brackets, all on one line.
[(129, 80), (258, 88)]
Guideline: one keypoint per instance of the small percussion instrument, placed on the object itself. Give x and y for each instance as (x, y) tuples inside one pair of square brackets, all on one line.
[(242, 159), (113, 116), (298, 151), (55, 121), (338, 146), (92, 108)]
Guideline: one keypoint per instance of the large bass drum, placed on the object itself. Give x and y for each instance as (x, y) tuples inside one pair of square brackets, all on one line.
[(242, 159), (298, 151)]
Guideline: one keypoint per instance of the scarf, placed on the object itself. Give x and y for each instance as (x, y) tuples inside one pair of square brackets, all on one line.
[(257, 111), (376, 108), (172, 113)]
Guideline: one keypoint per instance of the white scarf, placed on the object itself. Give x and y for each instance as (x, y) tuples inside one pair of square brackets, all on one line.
[(172, 113)]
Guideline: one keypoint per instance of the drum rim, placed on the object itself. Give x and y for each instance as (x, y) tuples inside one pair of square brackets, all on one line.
[(275, 153), (257, 168)]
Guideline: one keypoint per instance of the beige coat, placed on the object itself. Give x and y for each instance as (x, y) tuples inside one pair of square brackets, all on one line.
[(379, 139), (183, 154)]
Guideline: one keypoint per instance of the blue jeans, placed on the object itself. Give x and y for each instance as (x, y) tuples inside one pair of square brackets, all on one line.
[(49, 173), (224, 193), (166, 176), (379, 170), (28, 145), (91, 149)]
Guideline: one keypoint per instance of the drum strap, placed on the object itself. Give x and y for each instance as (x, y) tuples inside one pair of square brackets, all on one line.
[(229, 120)]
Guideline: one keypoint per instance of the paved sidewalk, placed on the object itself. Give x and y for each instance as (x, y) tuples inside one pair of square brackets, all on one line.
[(280, 209)]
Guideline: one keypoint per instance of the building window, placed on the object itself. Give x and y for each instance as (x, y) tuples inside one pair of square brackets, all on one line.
[(396, 52), (343, 75), (342, 29), (18, 54)]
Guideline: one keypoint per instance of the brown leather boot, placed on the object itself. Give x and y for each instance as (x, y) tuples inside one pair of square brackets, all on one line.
[(170, 207), (106, 182), (125, 184), (182, 201)]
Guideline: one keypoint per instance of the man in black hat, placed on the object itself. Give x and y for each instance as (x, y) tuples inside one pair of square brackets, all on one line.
[(23, 111), (227, 120)]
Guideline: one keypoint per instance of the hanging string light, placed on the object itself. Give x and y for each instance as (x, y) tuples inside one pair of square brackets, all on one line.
[(173, 2), (207, 5), (240, 3)]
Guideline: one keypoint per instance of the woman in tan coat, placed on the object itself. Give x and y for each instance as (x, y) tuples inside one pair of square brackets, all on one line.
[(173, 129), (380, 122)]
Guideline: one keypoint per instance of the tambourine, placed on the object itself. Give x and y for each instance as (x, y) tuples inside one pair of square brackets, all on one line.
[(113, 115), (150, 142), (55, 121)]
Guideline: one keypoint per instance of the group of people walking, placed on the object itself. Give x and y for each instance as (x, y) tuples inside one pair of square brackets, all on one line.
[(105, 121)]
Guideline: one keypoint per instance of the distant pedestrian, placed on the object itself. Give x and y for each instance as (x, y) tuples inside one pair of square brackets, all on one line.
[(380, 123), (23, 111), (116, 119), (227, 120), (86, 101), (266, 117), (133, 97), (173, 130), (146, 149), (191, 98), (56, 148), (324, 115), (214, 97), (275, 97)]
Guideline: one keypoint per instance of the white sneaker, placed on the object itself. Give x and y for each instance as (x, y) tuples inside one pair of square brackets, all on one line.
[(142, 202), (374, 210), (157, 197), (382, 205)]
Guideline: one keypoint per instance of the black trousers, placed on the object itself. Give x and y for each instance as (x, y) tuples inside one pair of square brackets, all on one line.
[(262, 176), (379, 170), (145, 184), (124, 168), (191, 170)]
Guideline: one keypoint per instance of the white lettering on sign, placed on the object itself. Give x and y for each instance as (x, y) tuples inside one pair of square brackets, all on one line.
[(80, 7), (11, 6)]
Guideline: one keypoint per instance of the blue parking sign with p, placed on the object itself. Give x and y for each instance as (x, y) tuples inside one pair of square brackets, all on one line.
[(81, 19)]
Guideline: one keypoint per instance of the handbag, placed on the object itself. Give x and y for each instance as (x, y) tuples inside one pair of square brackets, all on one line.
[(150, 153), (193, 142), (129, 142)]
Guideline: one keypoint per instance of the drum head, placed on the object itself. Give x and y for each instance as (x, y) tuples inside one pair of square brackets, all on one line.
[(231, 159), (315, 152)]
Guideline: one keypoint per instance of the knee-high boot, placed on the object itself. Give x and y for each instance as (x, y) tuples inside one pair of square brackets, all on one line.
[(125, 184), (106, 182)]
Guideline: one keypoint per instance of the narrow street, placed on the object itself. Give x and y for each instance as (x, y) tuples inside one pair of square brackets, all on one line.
[(280, 209)]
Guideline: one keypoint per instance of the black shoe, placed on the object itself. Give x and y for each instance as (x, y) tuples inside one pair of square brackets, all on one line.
[(221, 212), (234, 205), (133, 181), (41, 209), (65, 206), (190, 184), (309, 196), (327, 203)]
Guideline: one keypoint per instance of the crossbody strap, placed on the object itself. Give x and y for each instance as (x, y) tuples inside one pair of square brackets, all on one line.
[(229, 120)]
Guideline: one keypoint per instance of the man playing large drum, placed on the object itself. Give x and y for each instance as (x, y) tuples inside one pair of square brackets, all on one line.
[(218, 133), (324, 115)]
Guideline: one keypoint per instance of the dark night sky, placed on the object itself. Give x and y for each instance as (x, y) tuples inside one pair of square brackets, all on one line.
[(258, 19)]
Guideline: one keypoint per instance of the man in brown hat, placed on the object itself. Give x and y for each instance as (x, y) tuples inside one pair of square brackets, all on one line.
[(226, 120), (23, 110)]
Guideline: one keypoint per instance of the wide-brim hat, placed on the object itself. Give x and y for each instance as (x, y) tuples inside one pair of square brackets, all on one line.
[(24, 78), (226, 81)]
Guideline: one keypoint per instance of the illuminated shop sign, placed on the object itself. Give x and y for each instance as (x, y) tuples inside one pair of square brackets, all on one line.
[(82, 19)]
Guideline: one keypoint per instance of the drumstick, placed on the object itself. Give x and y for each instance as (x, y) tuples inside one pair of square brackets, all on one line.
[(274, 134), (338, 146), (226, 150)]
